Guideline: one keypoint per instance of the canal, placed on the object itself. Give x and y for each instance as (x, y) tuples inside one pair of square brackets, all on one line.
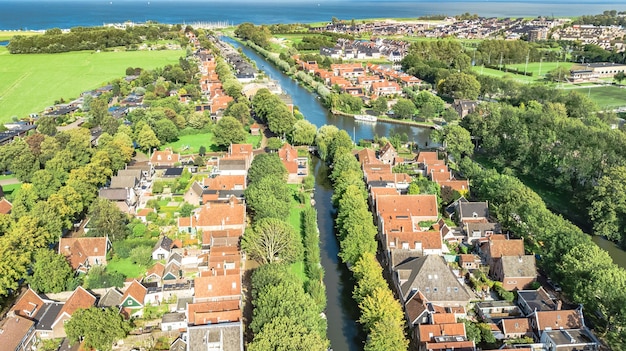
[(342, 311), (316, 113)]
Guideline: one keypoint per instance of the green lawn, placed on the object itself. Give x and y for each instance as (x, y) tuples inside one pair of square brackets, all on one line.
[(190, 144), (126, 267), (541, 68), (32, 82), (295, 220), (497, 73), (11, 190)]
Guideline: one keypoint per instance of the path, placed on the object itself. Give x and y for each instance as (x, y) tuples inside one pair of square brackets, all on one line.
[(9, 181)]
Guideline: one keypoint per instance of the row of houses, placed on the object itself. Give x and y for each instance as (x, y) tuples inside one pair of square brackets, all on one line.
[(415, 239)]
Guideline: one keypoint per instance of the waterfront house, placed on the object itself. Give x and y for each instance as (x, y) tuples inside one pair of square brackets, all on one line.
[(297, 167)]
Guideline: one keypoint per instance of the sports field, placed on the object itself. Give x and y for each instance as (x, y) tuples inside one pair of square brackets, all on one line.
[(607, 97), (539, 70), (30, 83)]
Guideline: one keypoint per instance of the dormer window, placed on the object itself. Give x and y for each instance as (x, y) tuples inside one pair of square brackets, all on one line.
[(475, 215)]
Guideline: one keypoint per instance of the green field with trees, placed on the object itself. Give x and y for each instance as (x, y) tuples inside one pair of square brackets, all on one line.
[(32, 82)]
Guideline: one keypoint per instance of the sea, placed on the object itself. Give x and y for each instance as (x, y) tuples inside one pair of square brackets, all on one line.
[(44, 14)]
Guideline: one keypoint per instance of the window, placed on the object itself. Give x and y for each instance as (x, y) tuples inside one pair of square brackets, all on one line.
[(435, 289)]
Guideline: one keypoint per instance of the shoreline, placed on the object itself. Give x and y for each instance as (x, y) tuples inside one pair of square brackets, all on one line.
[(386, 119)]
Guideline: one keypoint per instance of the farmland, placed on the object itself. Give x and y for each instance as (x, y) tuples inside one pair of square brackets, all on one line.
[(30, 83)]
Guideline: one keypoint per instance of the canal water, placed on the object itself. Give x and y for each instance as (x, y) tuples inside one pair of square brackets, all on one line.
[(618, 255), (316, 113), (342, 312)]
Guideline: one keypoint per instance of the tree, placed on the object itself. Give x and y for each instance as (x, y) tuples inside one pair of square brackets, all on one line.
[(98, 109), (457, 141), (268, 165), (165, 130), (385, 336), (460, 85), (239, 110), (50, 272), (323, 138), (98, 328), (558, 74), (228, 131), (404, 108), (106, 219), (45, 184), (280, 120), (608, 204), (287, 334), (141, 255), (619, 77), (270, 197), (272, 240), (47, 125), (303, 133), (146, 139), (274, 143), (380, 105)]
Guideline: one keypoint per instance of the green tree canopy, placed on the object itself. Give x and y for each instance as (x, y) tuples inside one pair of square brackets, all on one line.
[(98, 328), (50, 272), (106, 219), (228, 131), (270, 197), (272, 240), (266, 165), (460, 85)]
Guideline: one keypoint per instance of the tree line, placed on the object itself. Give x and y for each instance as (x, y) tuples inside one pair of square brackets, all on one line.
[(90, 38), (382, 316)]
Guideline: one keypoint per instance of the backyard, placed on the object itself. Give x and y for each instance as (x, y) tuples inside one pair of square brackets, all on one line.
[(190, 144)]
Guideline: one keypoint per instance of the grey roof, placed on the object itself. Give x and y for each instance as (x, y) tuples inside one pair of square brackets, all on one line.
[(228, 335), (226, 194), (164, 242), (175, 257), (173, 172), (574, 337), (46, 316), (110, 299), (232, 165), (197, 188), (399, 256), (537, 299), (519, 266), (468, 209), (130, 172), (113, 194), (178, 345), (432, 276), (121, 182), (181, 305), (173, 317)]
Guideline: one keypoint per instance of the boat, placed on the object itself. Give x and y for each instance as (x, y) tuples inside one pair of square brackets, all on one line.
[(366, 118)]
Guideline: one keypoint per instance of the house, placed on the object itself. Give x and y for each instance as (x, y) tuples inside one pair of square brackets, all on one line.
[(464, 107), (423, 243), (215, 216), (400, 181), (221, 238), (212, 312), (414, 208), (155, 274), (173, 321), (431, 276), (515, 272), (536, 300), (79, 299), (162, 248), (133, 299), (217, 288), (469, 261), (570, 339), (444, 336), (143, 214), (85, 252), (255, 129), (476, 231), (164, 159), (367, 156), (387, 154), (124, 198), (172, 172), (297, 167), (125, 181), (472, 212), (17, 334), (111, 298), (542, 321), (497, 309), (385, 88), (220, 336), (513, 328), (498, 246), (28, 305)]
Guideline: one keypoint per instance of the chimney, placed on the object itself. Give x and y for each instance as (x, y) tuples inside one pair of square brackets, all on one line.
[(558, 305)]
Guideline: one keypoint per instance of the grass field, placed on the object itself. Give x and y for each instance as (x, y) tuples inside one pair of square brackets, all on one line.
[(540, 69), (30, 83), (8, 35), (498, 73), (608, 97)]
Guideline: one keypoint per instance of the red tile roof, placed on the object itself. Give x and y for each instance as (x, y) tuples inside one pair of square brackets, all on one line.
[(136, 291), (211, 312), (218, 286), (80, 298), (28, 304), (78, 250), (411, 205), (449, 329), (225, 182), (5, 206), (499, 248), (430, 240)]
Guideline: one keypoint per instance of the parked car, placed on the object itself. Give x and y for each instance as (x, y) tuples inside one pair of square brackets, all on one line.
[(556, 287)]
